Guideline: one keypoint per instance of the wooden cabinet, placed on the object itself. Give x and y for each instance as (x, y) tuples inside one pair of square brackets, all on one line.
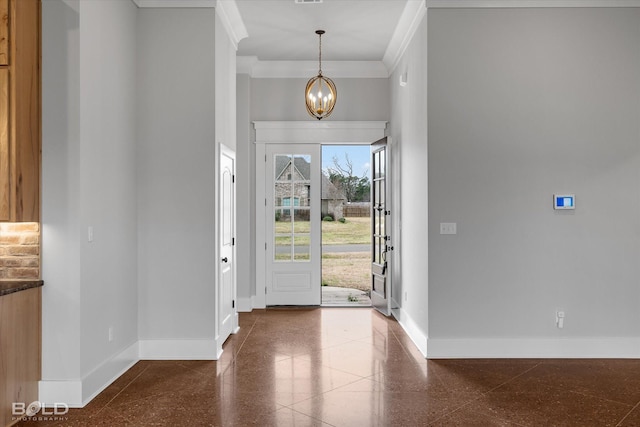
[(20, 332), (4, 32), (20, 110), (4, 144)]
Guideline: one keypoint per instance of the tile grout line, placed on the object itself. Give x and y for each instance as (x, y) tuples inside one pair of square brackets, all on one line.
[(313, 418), (290, 406), (245, 339), (485, 393), (601, 398), (120, 392), (406, 350), (628, 413), (145, 369)]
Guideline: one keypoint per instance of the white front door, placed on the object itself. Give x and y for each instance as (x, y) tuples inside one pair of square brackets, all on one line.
[(381, 229), (226, 308), (292, 181)]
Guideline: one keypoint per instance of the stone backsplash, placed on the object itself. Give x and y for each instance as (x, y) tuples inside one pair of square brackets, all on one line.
[(19, 250)]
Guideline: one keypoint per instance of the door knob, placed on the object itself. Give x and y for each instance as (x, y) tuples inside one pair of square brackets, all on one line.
[(225, 259)]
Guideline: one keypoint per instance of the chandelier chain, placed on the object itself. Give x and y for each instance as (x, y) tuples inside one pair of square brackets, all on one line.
[(320, 54)]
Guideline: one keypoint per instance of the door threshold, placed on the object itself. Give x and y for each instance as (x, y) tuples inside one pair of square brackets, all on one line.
[(346, 305)]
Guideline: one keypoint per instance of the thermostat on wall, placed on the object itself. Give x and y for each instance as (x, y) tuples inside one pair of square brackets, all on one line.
[(564, 201)]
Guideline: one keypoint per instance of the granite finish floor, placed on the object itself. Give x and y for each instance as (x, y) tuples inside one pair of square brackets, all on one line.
[(354, 367)]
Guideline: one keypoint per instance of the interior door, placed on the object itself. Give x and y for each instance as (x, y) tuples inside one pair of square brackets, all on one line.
[(381, 229), (292, 180), (227, 275)]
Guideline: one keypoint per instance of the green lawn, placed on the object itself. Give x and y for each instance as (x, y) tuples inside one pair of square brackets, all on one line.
[(347, 270), (355, 231), (351, 270)]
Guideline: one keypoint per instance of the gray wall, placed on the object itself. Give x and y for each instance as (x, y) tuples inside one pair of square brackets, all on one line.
[(283, 99), (176, 173), (523, 104), (89, 174), (408, 132), (60, 190), (245, 205)]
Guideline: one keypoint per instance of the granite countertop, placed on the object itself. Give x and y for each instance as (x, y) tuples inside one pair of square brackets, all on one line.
[(11, 286)]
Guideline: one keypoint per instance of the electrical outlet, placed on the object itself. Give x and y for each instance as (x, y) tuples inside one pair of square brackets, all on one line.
[(90, 234), (448, 228), (110, 333), (560, 319), (406, 297)]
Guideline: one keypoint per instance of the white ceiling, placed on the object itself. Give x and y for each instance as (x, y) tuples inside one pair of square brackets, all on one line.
[(364, 38), (356, 30)]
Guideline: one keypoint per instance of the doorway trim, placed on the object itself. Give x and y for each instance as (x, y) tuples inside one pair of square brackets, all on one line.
[(296, 132)]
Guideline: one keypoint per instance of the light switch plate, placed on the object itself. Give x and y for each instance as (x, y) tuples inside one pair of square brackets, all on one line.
[(448, 228)]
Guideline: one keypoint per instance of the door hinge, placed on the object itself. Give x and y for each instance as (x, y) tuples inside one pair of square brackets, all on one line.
[(233, 241), (233, 304), (233, 178), (265, 202), (265, 246), (265, 158), (265, 290)]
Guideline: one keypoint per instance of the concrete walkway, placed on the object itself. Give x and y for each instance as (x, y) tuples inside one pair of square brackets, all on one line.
[(331, 249), (335, 296)]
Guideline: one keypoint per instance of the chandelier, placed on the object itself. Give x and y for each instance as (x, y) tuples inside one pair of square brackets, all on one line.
[(320, 94)]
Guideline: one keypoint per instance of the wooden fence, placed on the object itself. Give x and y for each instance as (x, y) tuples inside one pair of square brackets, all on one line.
[(357, 210)]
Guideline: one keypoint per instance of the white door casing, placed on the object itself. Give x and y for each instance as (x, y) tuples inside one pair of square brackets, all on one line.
[(228, 317), (292, 132)]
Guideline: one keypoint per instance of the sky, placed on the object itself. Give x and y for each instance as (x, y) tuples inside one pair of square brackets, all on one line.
[(358, 154)]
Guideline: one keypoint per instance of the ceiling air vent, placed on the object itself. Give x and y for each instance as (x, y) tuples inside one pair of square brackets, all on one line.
[(307, 1)]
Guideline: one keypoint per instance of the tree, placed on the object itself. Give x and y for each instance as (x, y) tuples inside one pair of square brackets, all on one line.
[(355, 188)]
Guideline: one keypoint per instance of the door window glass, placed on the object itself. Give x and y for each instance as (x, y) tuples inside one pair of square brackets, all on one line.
[(292, 195)]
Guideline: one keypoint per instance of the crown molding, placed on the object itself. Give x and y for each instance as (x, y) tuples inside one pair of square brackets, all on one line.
[(415, 11), (408, 24), (510, 4), (306, 69), (174, 3), (227, 11)]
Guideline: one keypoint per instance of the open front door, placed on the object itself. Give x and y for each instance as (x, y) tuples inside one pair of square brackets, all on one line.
[(381, 229)]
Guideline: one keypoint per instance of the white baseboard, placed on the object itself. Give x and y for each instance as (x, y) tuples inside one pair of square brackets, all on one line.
[(258, 302), (69, 392), (574, 348), (101, 377), (411, 328), (76, 394), (245, 305), (178, 350)]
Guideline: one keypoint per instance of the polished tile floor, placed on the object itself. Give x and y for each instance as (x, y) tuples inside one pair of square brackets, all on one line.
[(354, 367)]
